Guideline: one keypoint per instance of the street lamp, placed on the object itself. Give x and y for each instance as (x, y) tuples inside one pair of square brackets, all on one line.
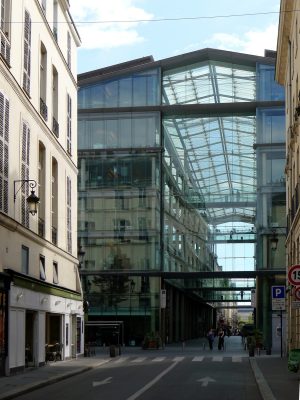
[(32, 199), (81, 254)]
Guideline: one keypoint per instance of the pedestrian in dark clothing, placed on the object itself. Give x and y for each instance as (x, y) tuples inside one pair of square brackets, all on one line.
[(210, 338), (221, 335)]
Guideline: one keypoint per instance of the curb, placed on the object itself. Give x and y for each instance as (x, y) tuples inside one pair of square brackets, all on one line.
[(263, 387), (34, 386)]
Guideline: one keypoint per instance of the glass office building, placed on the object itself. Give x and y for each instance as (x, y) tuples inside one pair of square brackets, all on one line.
[(169, 153)]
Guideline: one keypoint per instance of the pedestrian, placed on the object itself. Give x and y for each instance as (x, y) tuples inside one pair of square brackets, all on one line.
[(210, 338), (221, 335)]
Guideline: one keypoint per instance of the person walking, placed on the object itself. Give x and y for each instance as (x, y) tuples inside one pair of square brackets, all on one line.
[(210, 338), (221, 335)]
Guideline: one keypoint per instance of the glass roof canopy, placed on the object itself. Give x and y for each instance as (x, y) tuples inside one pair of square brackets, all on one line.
[(215, 150)]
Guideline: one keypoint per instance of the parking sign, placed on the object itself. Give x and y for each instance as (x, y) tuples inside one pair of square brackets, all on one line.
[(278, 298)]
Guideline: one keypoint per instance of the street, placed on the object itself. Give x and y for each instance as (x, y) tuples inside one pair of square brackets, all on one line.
[(155, 375)]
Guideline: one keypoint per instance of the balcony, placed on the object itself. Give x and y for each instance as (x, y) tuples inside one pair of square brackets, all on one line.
[(55, 33), (5, 48), (41, 227), (55, 127), (43, 109), (54, 235)]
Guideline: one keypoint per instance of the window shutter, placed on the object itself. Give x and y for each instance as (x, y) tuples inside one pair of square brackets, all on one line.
[(69, 50), (2, 14), (25, 174), (69, 216), (69, 124), (27, 52), (4, 152)]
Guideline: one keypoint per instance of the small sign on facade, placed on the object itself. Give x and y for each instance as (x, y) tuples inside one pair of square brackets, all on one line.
[(278, 298), (295, 304)]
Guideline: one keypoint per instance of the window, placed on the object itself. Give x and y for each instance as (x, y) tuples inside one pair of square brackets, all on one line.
[(42, 268), (54, 201), (55, 272), (55, 9), (41, 188), (27, 53), (69, 50), (4, 140), (25, 260), (25, 174), (5, 29), (55, 125), (69, 216), (69, 124), (43, 83)]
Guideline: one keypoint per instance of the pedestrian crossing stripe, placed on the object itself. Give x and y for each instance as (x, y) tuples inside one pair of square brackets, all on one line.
[(200, 358), (235, 359), (121, 359), (217, 358), (178, 358), (139, 359)]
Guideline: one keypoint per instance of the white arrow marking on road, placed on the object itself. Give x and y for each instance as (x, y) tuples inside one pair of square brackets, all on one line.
[(205, 381), (104, 382)]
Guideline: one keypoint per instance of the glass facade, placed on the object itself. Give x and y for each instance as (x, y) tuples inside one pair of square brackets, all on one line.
[(115, 131), (209, 82), (138, 89), (159, 191)]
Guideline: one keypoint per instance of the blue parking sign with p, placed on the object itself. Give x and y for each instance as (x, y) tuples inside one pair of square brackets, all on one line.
[(278, 292)]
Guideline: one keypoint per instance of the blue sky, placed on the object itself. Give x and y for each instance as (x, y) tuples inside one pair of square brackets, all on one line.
[(109, 43)]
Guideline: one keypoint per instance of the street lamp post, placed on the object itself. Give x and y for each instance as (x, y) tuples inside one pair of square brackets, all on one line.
[(132, 286), (32, 199)]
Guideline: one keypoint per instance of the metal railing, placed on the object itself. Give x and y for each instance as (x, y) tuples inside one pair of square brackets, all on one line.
[(5, 47), (54, 235), (55, 127), (41, 227), (43, 109)]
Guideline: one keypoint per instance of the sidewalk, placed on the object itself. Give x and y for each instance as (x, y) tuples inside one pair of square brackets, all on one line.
[(274, 380)]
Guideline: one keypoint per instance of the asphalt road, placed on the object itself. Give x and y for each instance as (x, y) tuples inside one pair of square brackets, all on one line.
[(208, 377)]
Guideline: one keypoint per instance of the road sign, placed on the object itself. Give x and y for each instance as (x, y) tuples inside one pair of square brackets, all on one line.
[(294, 275), (278, 298), (297, 293)]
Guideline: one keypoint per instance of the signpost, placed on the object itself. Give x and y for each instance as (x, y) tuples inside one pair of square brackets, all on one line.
[(278, 298), (294, 275), (278, 304)]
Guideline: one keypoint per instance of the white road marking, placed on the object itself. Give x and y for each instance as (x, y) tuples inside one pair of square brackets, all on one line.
[(104, 382), (199, 358), (178, 359), (205, 381), (159, 359), (217, 358), (139, 359), (153, 382), (120, 360), (236, 359)]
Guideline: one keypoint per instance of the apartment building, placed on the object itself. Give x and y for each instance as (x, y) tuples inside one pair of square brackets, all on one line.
[(288, 75), (41, 309)]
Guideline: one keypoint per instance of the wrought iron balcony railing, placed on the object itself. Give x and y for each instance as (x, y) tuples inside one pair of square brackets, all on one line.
[(43, 109)]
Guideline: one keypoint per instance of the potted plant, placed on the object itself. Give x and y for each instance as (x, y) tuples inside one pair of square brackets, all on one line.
[(152, 341)]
